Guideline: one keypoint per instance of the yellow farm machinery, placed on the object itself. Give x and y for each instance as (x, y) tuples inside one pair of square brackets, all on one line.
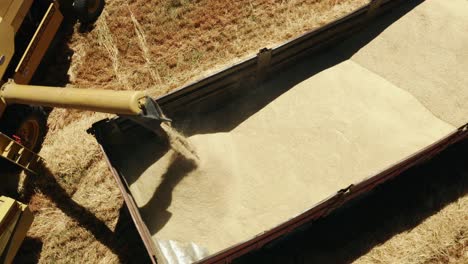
[(27, 29)]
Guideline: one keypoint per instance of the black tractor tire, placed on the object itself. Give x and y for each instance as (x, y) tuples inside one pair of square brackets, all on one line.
[(88, 11), (18, 117)]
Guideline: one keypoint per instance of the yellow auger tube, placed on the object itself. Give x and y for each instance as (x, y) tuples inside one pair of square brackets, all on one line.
[(105, 101)]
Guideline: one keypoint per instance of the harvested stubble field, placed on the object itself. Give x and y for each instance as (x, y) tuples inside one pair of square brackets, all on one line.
[(158, 46)]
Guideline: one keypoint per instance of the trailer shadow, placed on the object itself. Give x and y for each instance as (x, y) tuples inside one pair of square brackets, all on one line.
[(248, 97), (392, 208)]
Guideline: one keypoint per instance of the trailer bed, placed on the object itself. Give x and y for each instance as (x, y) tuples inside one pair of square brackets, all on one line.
[(275, 153)]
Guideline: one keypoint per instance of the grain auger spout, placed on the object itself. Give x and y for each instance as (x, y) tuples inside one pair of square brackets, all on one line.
[(24, 123), (134, 105)]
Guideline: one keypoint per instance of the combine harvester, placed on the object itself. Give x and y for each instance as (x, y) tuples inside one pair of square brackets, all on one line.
[(274, 142), (290, 135), (27, 29)]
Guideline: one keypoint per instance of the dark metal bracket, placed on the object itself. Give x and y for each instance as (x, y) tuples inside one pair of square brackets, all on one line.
[(263, 63), (151, 117), (373, 7)]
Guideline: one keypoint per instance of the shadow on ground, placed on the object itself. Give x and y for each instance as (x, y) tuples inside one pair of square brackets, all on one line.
[(32, 253), (124, 241), (394, 207)]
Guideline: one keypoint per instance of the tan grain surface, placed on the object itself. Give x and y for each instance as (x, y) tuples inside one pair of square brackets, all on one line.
[(425, 52), (334, 129)]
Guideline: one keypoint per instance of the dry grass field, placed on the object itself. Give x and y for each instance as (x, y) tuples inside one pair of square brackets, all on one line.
[(158, 46)]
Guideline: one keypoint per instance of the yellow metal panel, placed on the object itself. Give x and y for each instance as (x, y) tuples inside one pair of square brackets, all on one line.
[(12, 11), (7, 46), (21, 229), (9, 215), (15, 221), (6, 205), (17, 12), (38, 46), (4, 5), (18, 154)]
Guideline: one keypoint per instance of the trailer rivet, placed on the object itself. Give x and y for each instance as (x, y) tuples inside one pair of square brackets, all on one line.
[(2, 59)]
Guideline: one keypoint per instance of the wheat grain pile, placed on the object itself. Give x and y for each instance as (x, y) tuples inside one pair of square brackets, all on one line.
[(328, 132)]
